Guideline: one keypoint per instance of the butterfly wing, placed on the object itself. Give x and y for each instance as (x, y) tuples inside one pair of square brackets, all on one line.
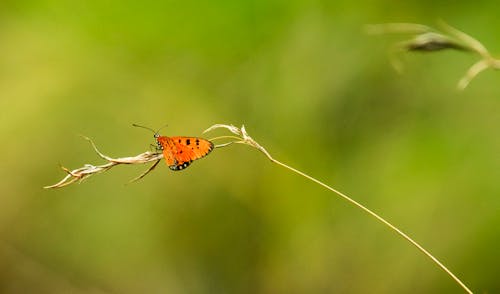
[(179, 152)]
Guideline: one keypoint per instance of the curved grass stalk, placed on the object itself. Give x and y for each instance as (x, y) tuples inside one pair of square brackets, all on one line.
[(244, 138)]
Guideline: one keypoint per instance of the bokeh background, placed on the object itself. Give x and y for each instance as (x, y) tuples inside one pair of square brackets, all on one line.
[(309, 85)]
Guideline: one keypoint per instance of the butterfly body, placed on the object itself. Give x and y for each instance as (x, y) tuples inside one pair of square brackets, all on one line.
[(180, 151)]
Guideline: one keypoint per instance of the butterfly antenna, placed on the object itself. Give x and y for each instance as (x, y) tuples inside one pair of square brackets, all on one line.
[(166, 125), (139, 126), (155, 132)]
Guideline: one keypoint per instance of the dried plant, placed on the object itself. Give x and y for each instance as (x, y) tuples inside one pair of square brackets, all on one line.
[(428, 39), (88, 170), (240, 136)]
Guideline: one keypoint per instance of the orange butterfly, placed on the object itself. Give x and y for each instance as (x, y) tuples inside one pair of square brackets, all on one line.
[(180, 151)]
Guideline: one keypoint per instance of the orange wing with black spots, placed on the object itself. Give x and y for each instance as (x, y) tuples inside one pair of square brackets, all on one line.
[(179, 152)]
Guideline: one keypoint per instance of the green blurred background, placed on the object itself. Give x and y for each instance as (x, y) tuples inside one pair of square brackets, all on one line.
[(309, 86)]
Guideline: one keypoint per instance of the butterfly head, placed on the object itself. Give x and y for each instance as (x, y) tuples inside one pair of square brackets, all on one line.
[(156, 135), (159, 146)]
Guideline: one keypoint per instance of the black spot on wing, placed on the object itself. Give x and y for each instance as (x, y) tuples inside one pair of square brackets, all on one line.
[(178, 167), (188, 141)]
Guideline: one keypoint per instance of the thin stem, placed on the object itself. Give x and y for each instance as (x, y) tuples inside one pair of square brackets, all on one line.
[(473, 71), (225, 137), (244, 138), (379, 218), (152, 167)]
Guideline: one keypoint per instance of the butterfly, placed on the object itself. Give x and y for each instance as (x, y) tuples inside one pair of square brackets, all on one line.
[(180, 151)]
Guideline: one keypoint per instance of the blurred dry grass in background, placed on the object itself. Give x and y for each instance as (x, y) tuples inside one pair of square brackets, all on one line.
[(307, 82)]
